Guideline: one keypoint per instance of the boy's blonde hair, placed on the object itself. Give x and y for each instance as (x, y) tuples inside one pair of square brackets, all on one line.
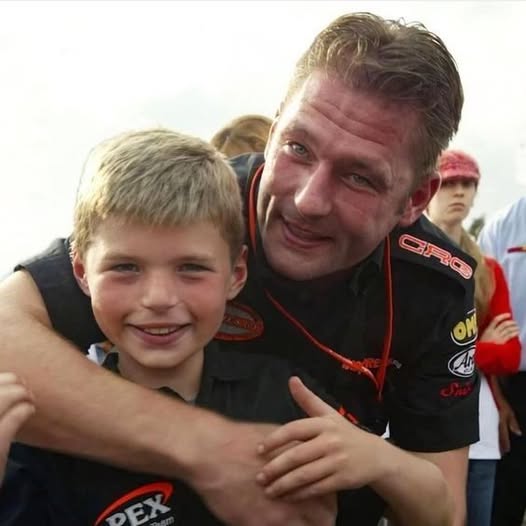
[(158, 177)]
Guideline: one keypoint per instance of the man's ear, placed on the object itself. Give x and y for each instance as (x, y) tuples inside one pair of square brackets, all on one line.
[(239, 274), (79, 271), (419, 199)]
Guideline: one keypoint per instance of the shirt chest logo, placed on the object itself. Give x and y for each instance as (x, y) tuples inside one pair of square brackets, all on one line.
[(240, 323), (463, 363), (145, 506), (465, 331)]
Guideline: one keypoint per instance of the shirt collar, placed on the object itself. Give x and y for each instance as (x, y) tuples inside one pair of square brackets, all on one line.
[(218, 365)]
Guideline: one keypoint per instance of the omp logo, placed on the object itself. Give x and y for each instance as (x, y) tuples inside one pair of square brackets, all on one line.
[(140, 507), (428, 250), (465, 331), (463, 363)]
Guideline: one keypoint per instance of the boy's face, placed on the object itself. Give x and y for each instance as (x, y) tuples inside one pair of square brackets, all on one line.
[(159, 293)]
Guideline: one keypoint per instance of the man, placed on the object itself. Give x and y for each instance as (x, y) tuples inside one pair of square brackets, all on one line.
[(504, 238), (381, 316)]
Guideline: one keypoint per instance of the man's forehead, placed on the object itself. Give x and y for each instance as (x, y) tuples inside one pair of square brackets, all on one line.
[(327, 92)]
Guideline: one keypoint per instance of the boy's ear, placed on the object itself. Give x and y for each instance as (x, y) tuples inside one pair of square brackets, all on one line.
[(79, 271), (239, 274), (419, 199)]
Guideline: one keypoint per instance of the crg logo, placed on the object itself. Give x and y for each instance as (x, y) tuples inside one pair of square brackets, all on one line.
[(428, 250), (134, 508), (463, 363)]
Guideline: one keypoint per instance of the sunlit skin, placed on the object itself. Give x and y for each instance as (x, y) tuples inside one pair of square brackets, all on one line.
[(452, 204), (159, 293), (337, 179)]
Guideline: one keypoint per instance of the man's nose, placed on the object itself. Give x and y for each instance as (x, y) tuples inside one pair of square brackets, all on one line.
[(313, 195)]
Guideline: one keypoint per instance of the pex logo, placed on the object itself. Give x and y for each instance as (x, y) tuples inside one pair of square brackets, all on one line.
[(140, 507), (465, 331), (428, 250)]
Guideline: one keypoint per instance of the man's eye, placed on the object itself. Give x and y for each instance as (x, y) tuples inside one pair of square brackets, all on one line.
[(358, 180), (297, 148)]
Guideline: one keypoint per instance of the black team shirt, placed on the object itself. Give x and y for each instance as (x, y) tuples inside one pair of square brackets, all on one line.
[(430, 394)]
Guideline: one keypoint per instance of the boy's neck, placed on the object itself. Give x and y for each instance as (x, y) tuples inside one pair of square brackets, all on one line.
[(184, 379)]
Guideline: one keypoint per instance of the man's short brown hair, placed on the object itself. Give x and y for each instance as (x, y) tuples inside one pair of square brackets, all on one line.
[(403, 63)]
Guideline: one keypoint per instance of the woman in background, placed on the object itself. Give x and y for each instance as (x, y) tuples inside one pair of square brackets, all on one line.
[(245, 134), (497, 350)]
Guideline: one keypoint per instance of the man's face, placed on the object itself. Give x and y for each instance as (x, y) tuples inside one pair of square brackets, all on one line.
[(337, 179)]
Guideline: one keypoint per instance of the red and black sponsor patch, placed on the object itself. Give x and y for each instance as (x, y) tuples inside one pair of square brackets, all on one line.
[(240, 323), (145, 505)]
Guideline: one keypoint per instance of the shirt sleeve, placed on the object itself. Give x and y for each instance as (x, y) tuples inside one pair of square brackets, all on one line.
[(433, 399), (487, 239), (69, 309), (492, 357)]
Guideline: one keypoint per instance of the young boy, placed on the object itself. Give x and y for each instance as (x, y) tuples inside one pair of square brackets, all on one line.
[(158, 247)]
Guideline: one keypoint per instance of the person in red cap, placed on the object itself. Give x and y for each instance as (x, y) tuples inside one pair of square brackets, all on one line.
[(497, 350)]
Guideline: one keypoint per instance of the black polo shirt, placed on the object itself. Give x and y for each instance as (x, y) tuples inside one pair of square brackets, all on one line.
[(50, 489), (430, 395)]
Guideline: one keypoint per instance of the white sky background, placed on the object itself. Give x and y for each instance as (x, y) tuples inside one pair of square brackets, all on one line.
[(74, 73)]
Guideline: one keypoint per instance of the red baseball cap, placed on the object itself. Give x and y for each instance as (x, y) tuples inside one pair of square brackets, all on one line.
[(456, 164)]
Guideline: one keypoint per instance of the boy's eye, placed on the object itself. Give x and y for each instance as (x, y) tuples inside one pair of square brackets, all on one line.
[(192, 267), (125, 267)]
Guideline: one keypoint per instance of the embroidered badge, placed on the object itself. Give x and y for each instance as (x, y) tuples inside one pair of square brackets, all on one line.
[(144, 505), (240, 323)]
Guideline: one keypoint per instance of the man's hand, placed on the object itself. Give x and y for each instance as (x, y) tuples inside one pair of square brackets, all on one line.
[(325, 453), (16, 406), (225, 477)]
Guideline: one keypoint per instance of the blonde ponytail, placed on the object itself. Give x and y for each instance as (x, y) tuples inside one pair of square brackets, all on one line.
[(484, 280)]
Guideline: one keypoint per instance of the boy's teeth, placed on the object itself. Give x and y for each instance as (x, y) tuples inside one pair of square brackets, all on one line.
[(160, 330)]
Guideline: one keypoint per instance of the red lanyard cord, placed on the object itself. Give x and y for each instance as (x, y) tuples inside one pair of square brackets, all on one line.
[(346, 363)]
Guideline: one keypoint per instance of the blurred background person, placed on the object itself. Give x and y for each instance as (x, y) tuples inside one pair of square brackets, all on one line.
[(504, 238), (497, 350), (245, 134)]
